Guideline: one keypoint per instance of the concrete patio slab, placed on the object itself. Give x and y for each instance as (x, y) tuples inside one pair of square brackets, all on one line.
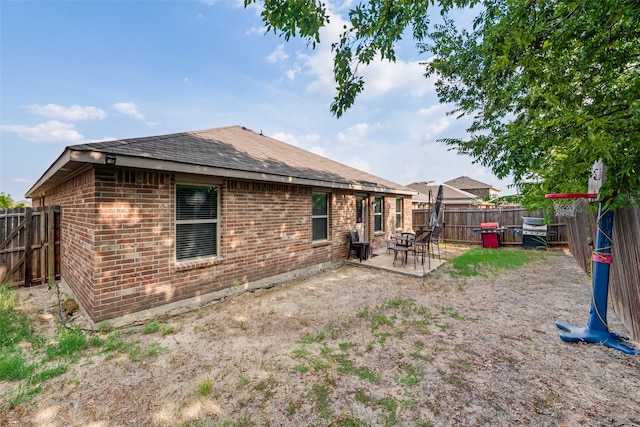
[(384, 261)]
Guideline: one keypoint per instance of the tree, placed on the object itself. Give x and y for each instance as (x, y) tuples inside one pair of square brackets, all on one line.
[(552, 86), (5, 201)]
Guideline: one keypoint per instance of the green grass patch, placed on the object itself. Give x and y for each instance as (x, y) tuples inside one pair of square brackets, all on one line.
[(344, 346), (320, 395), (478, 261), (27, 362), (155, 348), (411, 376), (49, 373), (463, 365), (70, 342), (243, 382), (301, 353), (151, 327), (15, 325), (301, 368), (14, 366), (346, 366), (205, 387), (448, 311), (314, 338)]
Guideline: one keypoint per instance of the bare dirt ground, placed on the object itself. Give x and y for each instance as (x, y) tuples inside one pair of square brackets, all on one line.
[(362, 347)]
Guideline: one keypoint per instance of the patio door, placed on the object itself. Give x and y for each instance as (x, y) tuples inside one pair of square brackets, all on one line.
[(362, 217)]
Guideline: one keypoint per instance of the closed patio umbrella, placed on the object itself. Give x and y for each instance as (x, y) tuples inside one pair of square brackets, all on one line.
[(436, 213)]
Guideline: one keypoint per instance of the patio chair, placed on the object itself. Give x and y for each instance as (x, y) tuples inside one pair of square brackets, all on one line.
[(434, 239), (359, 249), (391, 242), (421, 245)]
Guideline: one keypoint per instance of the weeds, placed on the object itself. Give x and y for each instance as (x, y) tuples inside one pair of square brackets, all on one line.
[(205, 387), (151, 327), (243, 382), (411, 377)]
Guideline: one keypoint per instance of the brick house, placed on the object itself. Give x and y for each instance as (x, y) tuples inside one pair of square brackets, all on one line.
[(174, 220)]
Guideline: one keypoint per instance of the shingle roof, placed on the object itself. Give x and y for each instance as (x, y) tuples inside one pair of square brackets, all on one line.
[(466, 183), (451, 195), (234, 149)]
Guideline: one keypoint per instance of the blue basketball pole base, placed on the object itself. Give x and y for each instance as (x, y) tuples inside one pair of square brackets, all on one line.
[(596, 331)]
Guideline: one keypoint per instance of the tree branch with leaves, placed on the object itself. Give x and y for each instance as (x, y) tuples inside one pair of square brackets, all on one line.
[(551, 86)]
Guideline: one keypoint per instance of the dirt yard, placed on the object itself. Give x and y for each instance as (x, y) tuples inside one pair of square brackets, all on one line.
[(360, 347)]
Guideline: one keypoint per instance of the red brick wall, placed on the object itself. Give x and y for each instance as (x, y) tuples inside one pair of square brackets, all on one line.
[(133, 244), (118, 251), (77, 230)]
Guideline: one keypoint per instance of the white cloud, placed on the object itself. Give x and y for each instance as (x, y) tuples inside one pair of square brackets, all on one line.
[(278, 55), (74, 112), (129, 109), (406, 78), (291, 73), (256, 31), (360, 164), (319, 151), (355, 134), (301, 141), (382, 76), (52, 131), (286, 137)]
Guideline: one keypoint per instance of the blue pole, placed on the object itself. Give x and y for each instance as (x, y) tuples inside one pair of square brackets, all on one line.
[(601, 265), (596, 331)]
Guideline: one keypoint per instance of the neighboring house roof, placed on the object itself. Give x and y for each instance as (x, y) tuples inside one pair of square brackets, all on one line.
[(451, 195), (234, 152), (466, 183)]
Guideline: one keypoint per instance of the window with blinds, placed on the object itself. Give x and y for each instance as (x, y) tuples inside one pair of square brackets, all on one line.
[(399, 213), (320, 217), (196, 221), (377, 214)]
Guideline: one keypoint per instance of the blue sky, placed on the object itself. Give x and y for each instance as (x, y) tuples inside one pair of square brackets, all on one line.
[(80, 71)]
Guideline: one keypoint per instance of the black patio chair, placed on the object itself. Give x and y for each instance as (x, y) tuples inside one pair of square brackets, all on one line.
[(421, 246), (434, 239), (360, 249)]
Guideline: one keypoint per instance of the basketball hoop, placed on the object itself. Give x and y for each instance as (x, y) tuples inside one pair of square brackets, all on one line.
[(568, 204)]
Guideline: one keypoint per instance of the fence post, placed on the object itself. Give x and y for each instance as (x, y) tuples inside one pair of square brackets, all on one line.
[(27, 248), (51, 246)]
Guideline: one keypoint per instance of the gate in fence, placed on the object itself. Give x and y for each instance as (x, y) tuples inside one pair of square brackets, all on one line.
[(29, 245)]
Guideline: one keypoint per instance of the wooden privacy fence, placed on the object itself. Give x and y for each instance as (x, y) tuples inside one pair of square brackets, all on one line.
[(460, 223), (29, 245), (624, 282)]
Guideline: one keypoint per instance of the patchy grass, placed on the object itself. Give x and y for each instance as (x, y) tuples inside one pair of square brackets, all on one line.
[(326, 359), (27, 360), (479, 261)]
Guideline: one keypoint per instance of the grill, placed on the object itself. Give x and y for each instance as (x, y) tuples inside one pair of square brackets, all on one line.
[(534, 233), (490, 233)]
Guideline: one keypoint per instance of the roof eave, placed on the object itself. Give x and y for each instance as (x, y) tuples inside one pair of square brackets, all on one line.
[(72, 160)]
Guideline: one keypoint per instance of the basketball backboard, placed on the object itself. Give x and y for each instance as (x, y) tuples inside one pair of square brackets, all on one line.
[(597, 177)]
